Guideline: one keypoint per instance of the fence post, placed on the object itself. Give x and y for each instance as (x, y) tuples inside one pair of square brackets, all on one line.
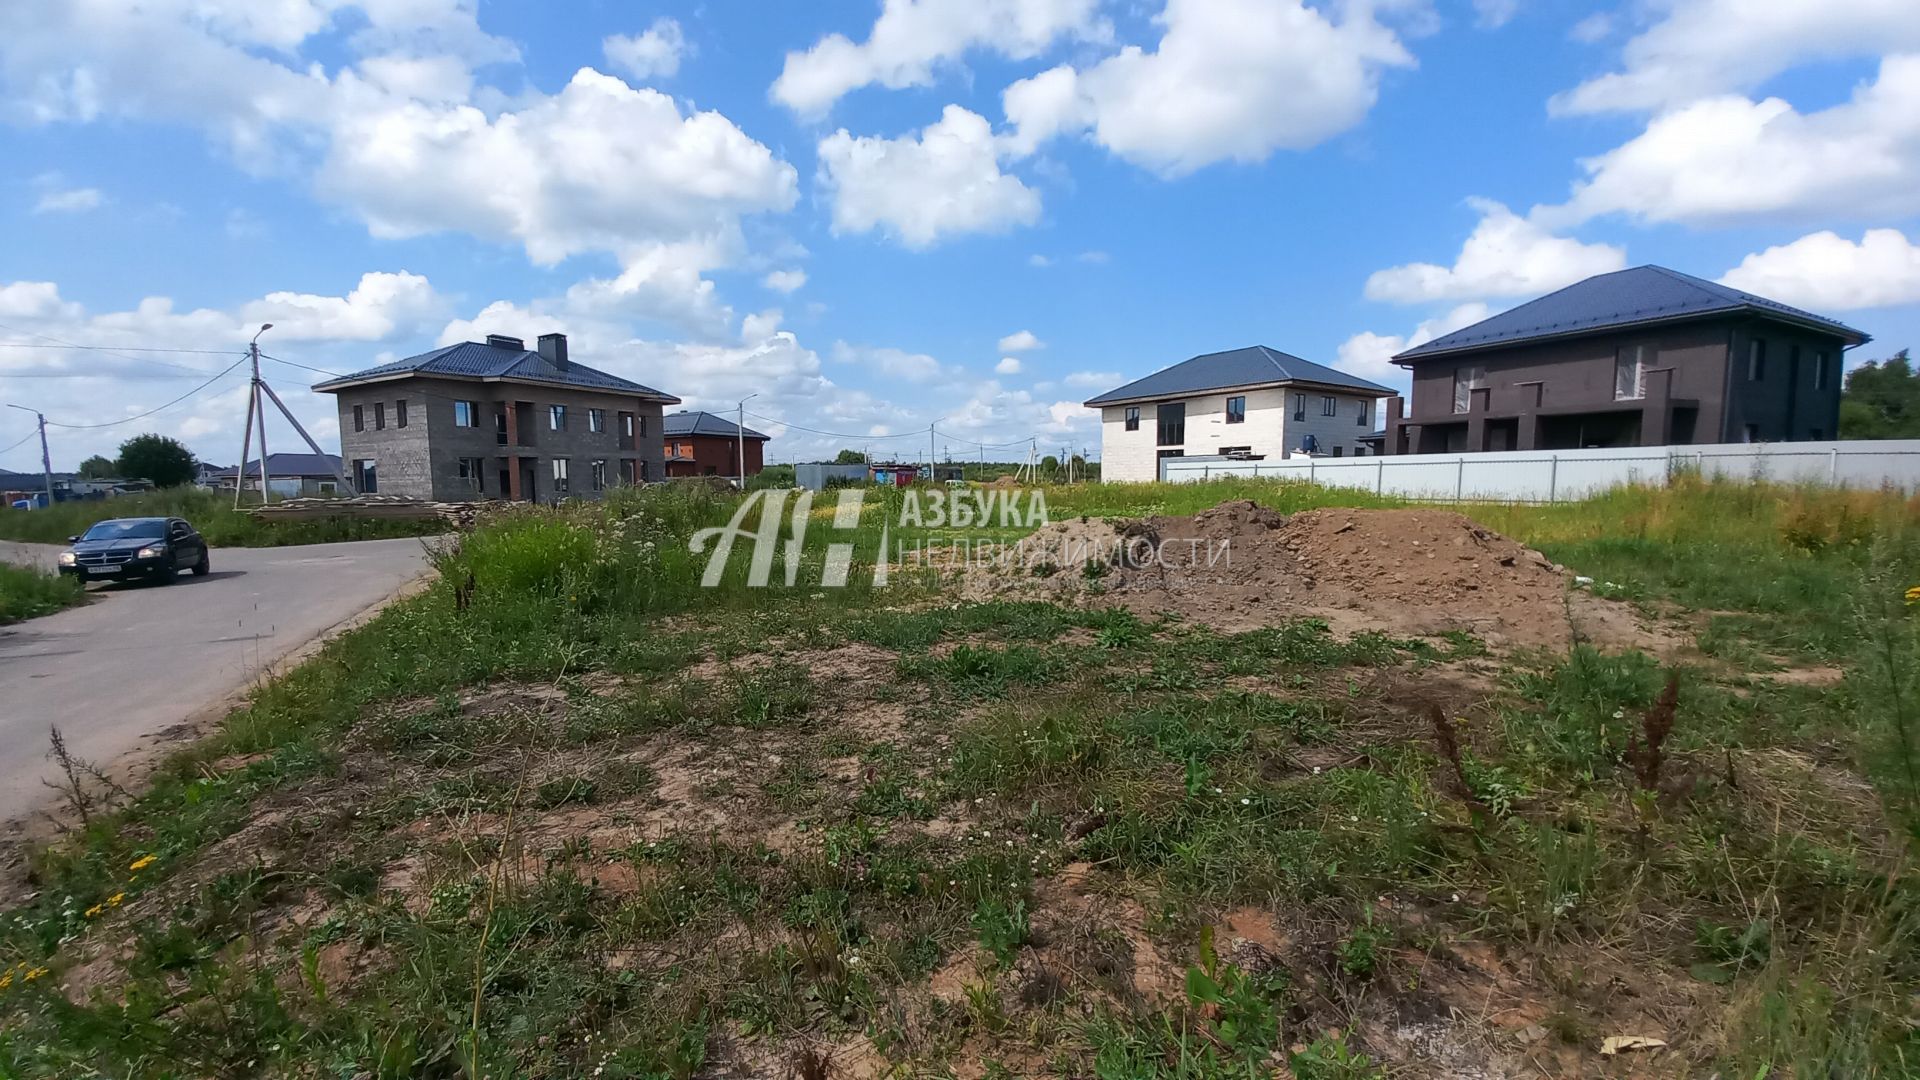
[(1460, 479), (1553, 478), (1833, 465), (1310, 472), (1380, 477), (1206, 472)]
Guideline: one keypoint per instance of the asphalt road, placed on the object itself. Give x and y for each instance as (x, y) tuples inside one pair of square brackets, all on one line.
[(140, 659)]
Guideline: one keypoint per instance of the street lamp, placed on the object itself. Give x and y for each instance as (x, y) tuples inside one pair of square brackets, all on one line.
[(740, 433)]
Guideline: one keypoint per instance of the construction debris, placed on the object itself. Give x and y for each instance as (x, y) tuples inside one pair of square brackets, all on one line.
[(458, 515)]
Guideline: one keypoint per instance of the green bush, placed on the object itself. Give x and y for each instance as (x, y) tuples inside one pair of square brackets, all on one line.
[(26, 593)]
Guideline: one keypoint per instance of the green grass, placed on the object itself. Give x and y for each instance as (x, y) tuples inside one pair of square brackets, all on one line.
[(211, 512), (927, 801), (26, 593)]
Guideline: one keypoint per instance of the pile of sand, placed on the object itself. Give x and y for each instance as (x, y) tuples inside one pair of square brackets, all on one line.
[(1237, 565)]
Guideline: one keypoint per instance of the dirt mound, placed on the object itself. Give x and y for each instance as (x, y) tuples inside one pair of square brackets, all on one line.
[(1406, 572)]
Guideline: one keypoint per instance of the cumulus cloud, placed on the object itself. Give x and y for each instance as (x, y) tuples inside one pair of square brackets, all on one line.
[(1727, 158), (1826, 272), (1008, 365), (889, 362), (653, 54), (1021, 341), (921, 189), (1369, 354), (1706, 48), (1088, 380), (1230, 80), (785, 281), (67, 201), (911, 38), (1506, 255)]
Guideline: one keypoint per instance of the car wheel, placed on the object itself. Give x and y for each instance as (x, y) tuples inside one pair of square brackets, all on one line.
[(201, 568)]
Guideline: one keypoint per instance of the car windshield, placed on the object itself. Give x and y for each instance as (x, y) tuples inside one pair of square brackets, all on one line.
[(129, 529)]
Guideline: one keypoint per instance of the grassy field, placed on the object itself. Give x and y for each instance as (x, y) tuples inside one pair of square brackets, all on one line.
[(27, 593), (212, 513), (569, 813)]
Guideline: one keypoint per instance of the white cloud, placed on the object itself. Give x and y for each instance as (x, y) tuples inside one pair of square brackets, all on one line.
[(785, 281), (1039, 261), (922, 189), (381, 306), (1825, 272), (889, 362), (1494, 14), (68, 201), (1008, 365), (1594, 28), (1021, 341), (912, 37), (1506, 255), (1369, 355), (1726, 158), (35, 300), (1703, 48), (1230, 80), (1087, 380), (759, 327), (653, 54)]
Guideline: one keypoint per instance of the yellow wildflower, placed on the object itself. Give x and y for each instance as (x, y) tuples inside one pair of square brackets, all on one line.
[(114, 900), (35, 973), (142, 862), (6, 980), (94, 910)]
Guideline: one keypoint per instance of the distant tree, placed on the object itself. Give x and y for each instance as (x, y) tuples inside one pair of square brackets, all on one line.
[(96, 467), (1882, 400), (1049, 464), (849, 456), (158, 459)]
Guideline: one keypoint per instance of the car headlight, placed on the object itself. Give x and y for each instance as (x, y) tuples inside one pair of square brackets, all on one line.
[(66, 558), (151, 551)]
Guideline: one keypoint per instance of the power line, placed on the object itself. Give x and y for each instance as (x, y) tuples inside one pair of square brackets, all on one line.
[(17, 445), (158, 408), (58, 344), (110, 351)]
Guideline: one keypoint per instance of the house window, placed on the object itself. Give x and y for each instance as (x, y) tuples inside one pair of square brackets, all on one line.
[(470, 470), (328, 487), (466, 414), (1365, 408), (1236, 410), (1172, 424), (359, 418), (400, 413), (643, 427), (1299, 406), (1756, 361), (379, 416), (1819, 373), (643, 471), (1337, 449), (1466, 380), (560, 485), (1329, 406), (596, 420), (1630, 373), (365, 476), (1133, 418), (500, 425), (626, 470), (557, 418), (597, 473)]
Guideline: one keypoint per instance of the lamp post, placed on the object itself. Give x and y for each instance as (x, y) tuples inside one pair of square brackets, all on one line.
[(740, 434)]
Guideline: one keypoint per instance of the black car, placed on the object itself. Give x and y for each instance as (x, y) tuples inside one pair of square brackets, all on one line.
[(128, 548)]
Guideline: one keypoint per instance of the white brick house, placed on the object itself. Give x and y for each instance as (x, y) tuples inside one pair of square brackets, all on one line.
[(1254, 400)]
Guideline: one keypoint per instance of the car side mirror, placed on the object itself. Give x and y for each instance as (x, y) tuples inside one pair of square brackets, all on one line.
[(73, 539)]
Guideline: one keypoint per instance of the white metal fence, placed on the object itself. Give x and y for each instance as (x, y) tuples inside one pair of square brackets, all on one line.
[(1563, 475)]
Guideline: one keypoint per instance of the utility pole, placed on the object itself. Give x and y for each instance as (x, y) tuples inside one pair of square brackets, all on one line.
[(740, 432), (258, 394), (46, 461)]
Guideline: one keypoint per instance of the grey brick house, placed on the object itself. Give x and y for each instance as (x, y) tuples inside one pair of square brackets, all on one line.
[(1640, 357), (496, 420)]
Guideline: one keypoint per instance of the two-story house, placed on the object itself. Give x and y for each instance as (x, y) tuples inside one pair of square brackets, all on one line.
[(496, 420), (1639, 357), (1244, 402), (702, 444)]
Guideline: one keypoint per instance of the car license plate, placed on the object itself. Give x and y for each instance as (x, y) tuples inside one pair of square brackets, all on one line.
[(103, 569)]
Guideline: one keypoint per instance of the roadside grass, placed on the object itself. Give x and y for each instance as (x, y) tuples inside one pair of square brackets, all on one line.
[(211, 512), (27, 592), (569, 812)]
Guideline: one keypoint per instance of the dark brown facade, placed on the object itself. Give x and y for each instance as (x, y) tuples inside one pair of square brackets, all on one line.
[(712, 455), (1729, 378)]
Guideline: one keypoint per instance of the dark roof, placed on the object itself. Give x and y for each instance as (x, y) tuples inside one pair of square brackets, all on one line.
[(685, 422), (1642, 294), (483, 360), (287, 465), (1255, 365)]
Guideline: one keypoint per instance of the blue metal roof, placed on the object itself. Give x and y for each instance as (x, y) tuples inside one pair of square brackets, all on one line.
[(685, 422), (482, 360), (1623, 298), (290, 465), (1255, 365)]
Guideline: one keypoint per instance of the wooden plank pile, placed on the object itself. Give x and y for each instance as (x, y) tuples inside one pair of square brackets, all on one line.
[(388, 507)]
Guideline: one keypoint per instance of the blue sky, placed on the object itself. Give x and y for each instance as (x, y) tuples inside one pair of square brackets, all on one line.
[(877, 215)]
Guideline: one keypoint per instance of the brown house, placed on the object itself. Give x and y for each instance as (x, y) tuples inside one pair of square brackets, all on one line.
[(1640, 357), (702, 444)]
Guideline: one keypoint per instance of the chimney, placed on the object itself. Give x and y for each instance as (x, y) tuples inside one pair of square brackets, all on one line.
[(553, 349), (502, 341)]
